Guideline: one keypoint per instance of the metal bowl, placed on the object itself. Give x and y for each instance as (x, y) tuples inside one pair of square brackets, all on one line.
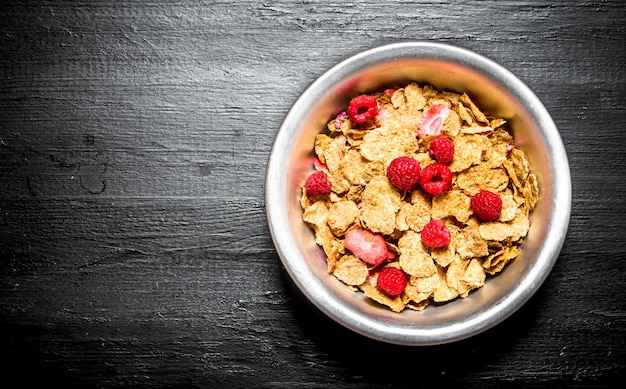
[(500, 94)]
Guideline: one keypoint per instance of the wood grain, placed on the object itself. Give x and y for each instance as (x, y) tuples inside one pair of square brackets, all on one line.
[(134, 248)]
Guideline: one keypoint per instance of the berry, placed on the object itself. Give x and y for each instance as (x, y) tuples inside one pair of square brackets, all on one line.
[(404, 173), (435, 234), (390, 256), (432, 120), (392, 281), (436, 179), (442, 149), (368, 246), (486, 205), (318, 165), (382, 113), (317, 184), (362, 108), (340, 119)]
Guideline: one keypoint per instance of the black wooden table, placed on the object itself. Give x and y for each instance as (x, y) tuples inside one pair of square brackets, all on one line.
[(134, 247)]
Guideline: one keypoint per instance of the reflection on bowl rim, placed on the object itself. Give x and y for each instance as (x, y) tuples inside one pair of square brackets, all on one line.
[(277, 201)]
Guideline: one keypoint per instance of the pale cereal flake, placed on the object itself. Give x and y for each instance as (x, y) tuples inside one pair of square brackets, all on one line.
[(509, 206), (427, 284), (395, 138), (334, 249), (470, 243), (322, 142), (339, 183), (452, 97), (443, 292), (510, 231), (412, 293), (429, 92), (401, 216), (497, 122), (517, 167), (418, 306), (473, 278), (476, 129), (398, 99), (334, 152), (316, 213), (453, 203), (444, 255), (468, 151), (531, 192), (415, 99), (452, 125), (380, 202), (419, 214), (415, 259), (341, 216), (454, 274), (351, 270), (476, 113), (482, 177), (497, 153), (465, 114), (395, 303), (465, 275), (495, 262)]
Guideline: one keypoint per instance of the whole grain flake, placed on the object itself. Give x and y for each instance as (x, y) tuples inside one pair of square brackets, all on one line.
[(367, 225)]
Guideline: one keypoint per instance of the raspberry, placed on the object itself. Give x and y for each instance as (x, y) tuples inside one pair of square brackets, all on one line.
[(436, 178), (442, 149), (435, 234), (362, 108), (392, 281), (432, 120), (317, 184), (368, 246), (486, 205), (404, 173)]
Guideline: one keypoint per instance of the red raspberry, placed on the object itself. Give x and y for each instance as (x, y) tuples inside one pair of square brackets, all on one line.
[(392, 281), (435, 234), (442, 149), (436, 179), (486, 205), (362, 108), (368, 246), (404, 173), (317, 184), (432, 120)]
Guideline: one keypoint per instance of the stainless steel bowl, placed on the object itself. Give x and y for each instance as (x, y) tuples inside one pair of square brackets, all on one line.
[(499, 93)]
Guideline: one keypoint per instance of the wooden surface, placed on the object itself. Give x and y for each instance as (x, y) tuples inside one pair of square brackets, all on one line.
[(133, 240)]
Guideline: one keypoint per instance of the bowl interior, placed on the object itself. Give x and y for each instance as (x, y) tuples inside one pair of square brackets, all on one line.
[(498, 93)]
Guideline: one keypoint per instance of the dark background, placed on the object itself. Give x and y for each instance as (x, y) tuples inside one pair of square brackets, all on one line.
[(134, 247)]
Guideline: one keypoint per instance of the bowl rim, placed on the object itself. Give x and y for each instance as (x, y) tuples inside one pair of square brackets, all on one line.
[(321, 297)]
